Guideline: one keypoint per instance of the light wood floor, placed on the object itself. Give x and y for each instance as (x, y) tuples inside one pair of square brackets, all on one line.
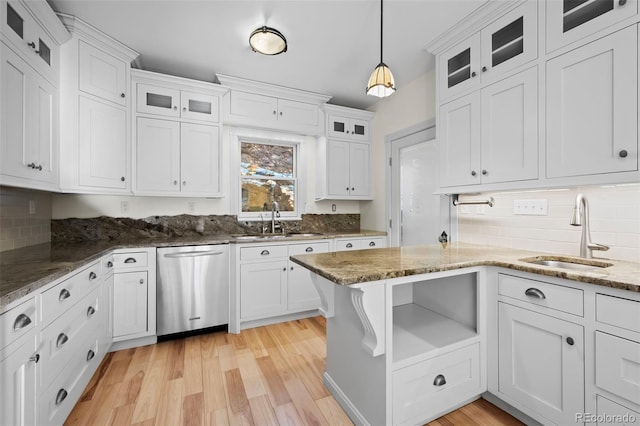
[(264, 376)]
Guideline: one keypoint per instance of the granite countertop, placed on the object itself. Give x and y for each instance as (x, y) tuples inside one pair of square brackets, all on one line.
[(352, 267), (27, 269)]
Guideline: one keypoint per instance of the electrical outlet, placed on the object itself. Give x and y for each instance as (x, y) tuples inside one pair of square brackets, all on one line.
[(530, 207), (333, 207), (32, 206), (191, 206), (124, 207)]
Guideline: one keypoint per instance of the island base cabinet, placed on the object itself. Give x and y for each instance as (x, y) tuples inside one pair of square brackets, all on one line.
[(541, 364), (430, 388)]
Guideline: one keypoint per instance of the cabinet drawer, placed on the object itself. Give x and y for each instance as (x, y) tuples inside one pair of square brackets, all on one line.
[(619, 413), (322, 247), (17, 322), (262, 252), (620, 312), (368, 243), (58, 299), (67, 335), (130, 260), (618, 366), (428, 387), (539, 293), (342, 245)]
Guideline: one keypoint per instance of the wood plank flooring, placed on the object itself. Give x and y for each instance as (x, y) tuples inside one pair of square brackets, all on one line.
[(264, 376)]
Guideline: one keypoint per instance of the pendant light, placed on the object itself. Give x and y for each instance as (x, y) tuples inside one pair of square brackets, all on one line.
[(268, 41), (381, 83)]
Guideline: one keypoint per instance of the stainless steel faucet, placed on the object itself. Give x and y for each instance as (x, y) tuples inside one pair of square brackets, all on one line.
[(275, 213), (580, 217)]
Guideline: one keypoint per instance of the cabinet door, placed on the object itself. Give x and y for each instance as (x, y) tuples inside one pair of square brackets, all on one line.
[(101, 74), (130, 303), (198, 106), (509, 144), (338, 168), (592, 114), (359, 169), (297, 114), (157, 155), (460, 141), (263, 289), (541, 363), (103, 148), (301, 293), (200, 158), (570, 20), (252, 106), (339, 127), (510, 41), (18, 383), (359, 129), (42, 131), (460, 68), (158, 100)]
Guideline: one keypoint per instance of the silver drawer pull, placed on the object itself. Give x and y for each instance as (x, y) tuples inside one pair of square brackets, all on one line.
[(90, 355), (130, 260), (90, 311), (64, 294), (534, 292), (372, 244), (439, 380), (265, 253), (349, 245), (61, 396), (62, 339), (21, 321), (309, 249), (92, 276)]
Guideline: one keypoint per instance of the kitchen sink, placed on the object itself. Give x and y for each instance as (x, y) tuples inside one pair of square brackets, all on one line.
[(303, 234), (568, 263)]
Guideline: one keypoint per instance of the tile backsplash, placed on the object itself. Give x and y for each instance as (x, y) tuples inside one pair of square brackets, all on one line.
[(614, 213), (25, 218)]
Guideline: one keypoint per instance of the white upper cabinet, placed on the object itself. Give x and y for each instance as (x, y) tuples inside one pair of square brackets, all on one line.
[(261, 105), (95, 113), (177, 147), (102, 75), (491, 136), (505, 44), (349, 128), (569, 20), (592, 111)]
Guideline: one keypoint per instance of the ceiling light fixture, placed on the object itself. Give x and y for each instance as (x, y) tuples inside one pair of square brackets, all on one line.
[(268, 41), (381, 83)]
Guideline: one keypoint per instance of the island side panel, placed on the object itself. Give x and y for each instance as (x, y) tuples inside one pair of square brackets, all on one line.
[(359, 376)]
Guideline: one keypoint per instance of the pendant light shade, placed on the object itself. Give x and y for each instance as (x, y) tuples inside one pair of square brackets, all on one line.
[(381, 82), (267, 41)]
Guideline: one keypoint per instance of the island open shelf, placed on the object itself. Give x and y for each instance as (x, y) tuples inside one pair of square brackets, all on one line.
[(432, 315)]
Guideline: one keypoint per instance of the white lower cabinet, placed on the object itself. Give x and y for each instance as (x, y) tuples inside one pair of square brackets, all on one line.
[(541, 363), (361, 243), (18, 403), (609, 412), (263, 289), (129, 303)]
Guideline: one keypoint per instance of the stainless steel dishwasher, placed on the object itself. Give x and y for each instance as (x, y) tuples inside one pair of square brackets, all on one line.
[(193, 288)]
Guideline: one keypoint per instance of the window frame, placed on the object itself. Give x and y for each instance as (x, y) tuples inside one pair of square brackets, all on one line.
[(237, 137)]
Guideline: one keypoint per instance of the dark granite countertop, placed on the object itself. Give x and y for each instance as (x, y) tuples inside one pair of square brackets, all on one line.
[(27, 269), (360, 266)]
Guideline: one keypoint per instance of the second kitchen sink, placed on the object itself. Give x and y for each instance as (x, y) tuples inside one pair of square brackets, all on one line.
[(568, 263)]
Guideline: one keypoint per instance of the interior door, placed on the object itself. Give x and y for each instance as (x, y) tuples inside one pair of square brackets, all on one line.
[(417, 216)]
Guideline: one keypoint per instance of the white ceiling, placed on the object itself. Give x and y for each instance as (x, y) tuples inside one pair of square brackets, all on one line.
[(333, 45)]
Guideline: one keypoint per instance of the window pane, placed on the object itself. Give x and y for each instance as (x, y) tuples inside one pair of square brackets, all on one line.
[(266, 160), (259, 194)]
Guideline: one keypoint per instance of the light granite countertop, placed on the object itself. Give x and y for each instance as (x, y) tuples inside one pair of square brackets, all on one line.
[(352, 267), (27, 269)]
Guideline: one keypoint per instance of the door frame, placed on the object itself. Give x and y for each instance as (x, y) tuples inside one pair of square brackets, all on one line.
[(389, 140)]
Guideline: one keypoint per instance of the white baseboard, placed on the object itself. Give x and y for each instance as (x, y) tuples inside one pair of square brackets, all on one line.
[(274, 320), (353, 413), (133, 343)]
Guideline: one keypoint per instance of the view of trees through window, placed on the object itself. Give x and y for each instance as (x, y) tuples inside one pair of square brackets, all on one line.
[(267, 174)]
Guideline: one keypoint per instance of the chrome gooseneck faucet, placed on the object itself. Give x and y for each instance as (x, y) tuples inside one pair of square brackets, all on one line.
[(580, 217), (275, 213)]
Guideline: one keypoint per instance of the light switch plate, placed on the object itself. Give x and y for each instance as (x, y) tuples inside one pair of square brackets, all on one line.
[(530, 207)]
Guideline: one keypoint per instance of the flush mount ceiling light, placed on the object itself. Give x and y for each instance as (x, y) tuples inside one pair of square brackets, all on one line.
[(267, 41), (381, 83)]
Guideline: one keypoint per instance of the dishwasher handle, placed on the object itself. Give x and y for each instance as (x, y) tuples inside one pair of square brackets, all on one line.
[(193, 254)]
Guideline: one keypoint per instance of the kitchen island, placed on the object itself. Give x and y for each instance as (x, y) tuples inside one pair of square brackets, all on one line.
[(412, 333)]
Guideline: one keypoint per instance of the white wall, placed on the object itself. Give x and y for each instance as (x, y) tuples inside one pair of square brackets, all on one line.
[(85, 206), (413, 103), (614, 221)]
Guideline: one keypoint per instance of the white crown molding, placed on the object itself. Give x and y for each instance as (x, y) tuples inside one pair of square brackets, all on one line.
[(178, 82), (251, 86), (352, 112)]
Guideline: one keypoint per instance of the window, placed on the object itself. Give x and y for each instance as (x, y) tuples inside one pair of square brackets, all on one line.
[(268, 174)]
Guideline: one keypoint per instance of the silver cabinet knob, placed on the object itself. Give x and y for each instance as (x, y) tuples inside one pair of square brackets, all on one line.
[(622, 2), (92, 276), (473, 74), (292, 268), (175, 182), (184, 109), (484, 172), (31, 45), (175, 108), (109, 264), (484, 69), (122, 95), (623, 153), (274, 112), (35, 358), (280, 113), (184, 183), (141, 281), (284, 269), (122, 179), (570, 341), (473, 173)]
